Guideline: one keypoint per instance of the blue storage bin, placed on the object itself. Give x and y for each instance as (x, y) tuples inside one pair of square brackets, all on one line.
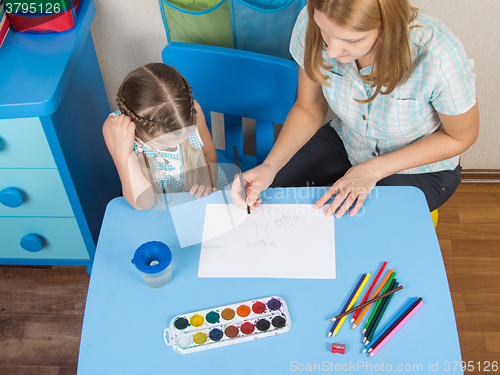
[(265, 26)]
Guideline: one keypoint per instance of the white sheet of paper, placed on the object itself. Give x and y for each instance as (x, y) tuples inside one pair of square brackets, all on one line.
[(278, 241), (187, 215)]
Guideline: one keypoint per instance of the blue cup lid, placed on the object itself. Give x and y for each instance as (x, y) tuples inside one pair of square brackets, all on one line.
[(152, 257)]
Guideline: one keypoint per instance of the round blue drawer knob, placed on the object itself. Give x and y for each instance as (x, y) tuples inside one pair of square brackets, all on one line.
[(32, 242), (11, 197)]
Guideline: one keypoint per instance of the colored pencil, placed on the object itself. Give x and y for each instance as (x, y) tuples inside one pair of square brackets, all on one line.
[(380, 313), (360, 316), (393, 325), (351, 303), (367, 303), (393, 332), (348, 302), (374, 311), (242, 183), (377, 310), (369, 291), (399, 313)]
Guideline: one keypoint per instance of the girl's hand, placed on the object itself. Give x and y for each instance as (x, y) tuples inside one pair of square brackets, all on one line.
[(352, 188), (123, 135), (199, 190), (256, 180)]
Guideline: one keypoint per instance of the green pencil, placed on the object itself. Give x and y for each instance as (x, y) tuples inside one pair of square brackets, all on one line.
[(378, 304), (383, 307), (377, 313)]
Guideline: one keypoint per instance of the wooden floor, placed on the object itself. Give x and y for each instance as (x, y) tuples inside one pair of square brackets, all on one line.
[(41, 307), (469, 235)]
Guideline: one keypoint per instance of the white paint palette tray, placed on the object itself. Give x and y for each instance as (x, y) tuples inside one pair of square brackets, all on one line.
[(227, 325)]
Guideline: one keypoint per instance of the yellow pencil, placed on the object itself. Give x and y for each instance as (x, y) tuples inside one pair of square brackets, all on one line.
[(351, 303), (365, 309)]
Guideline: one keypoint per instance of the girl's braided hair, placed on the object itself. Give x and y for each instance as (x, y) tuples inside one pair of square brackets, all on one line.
[(157, 98)]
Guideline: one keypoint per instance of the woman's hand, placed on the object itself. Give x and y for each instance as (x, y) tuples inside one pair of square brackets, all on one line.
[(123, 136), (256, 180), (352, 188)]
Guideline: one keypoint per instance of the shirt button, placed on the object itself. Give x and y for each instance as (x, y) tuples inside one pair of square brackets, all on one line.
[(374, 153), (364, 118)]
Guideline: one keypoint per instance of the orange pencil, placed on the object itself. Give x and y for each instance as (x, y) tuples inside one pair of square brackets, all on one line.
[(369, 291), (365, 309)]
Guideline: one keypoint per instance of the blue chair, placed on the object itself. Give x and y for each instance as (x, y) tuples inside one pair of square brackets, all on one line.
[(238, 84)]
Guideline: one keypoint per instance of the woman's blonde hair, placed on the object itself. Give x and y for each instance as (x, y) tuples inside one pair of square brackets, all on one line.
[(159, 100), (392, 60)]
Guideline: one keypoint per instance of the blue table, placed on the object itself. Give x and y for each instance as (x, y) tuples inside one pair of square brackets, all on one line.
[(124, 319)]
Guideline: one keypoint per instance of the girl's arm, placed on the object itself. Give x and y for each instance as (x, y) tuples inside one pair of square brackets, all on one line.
[(303, 121), (208, 147), (458, 133), (119, 135)]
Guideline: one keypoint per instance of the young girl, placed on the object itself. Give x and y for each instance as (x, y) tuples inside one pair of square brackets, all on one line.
[(404, 95), (159, 140)]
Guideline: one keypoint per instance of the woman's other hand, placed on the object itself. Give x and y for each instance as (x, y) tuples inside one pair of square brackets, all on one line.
[(350, 191)]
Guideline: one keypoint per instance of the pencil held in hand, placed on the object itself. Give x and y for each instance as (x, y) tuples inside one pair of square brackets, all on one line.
[(242, 183)]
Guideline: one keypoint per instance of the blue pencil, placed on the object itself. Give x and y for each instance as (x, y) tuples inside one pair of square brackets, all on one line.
[(400, 312), (347, 304)]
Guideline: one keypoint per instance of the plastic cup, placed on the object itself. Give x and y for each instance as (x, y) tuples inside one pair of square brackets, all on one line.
[(153, 260)]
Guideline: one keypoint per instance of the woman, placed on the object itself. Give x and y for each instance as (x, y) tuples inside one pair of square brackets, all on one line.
[(404, 96)]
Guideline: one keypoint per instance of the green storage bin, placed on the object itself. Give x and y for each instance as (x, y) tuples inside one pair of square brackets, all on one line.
[(206, 22), (262, 26)]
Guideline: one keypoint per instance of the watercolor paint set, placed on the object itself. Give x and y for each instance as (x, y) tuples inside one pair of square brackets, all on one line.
[(227, 325)]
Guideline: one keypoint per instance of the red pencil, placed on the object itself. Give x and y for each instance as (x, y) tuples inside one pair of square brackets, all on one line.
[(368, 292)]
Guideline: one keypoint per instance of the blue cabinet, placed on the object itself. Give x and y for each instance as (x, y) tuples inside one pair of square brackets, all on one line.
[(56, 175)]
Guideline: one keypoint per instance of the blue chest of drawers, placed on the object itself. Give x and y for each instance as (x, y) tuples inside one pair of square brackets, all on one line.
[(56, 175)]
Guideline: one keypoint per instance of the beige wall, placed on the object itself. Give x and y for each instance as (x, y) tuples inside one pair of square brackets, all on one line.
[(128, 34), (476, 24)]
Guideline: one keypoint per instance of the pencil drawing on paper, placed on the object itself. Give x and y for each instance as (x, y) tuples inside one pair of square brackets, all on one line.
[(265, 234), (302, 223), (261, 239), (287, 222)]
